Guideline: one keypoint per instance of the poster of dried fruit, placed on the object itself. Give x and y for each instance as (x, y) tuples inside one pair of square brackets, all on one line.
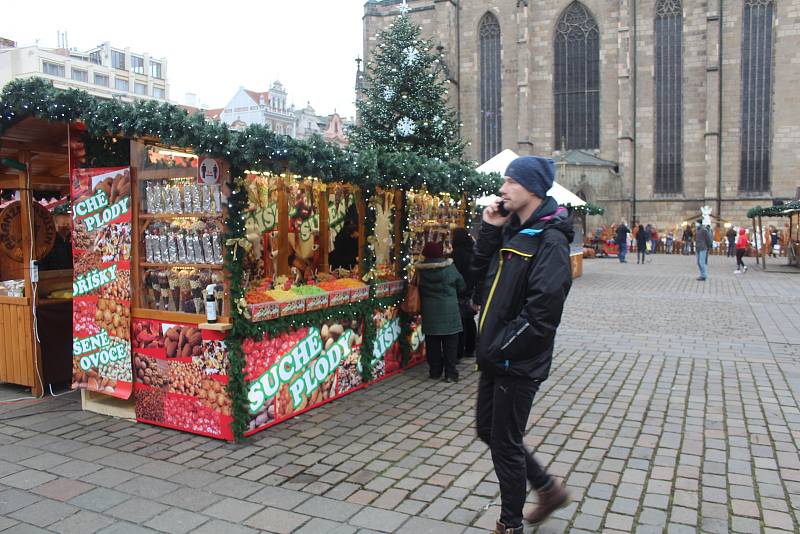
[(293, 372), (181, 374), (101, 346)]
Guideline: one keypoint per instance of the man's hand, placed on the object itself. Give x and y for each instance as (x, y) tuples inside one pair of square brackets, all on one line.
[(491, 214)]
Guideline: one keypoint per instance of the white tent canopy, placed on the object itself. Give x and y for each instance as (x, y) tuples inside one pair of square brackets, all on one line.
[(500, 162)]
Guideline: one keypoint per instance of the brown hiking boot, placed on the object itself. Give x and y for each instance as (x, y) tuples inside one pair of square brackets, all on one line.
[(500, 528), (551, 499)]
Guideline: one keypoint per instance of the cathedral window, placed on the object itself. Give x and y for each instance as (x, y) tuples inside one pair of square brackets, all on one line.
[(490, 99), (756, 95), (668, 97), (576, 84)]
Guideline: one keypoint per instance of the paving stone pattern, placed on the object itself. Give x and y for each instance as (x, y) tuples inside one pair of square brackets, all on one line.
[(672, 407)]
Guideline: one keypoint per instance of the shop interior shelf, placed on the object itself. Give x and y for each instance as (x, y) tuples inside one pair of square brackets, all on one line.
[(172, 216), (211, 266)]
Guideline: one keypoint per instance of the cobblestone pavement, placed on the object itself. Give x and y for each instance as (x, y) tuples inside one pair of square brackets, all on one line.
[(672, 407)]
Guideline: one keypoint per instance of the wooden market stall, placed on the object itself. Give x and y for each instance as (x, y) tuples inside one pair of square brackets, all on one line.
[(33, 157)]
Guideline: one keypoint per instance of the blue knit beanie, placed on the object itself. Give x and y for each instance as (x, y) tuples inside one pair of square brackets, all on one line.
[(533, 173)]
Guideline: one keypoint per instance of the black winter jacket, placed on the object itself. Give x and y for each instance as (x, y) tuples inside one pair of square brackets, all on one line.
[(523, 276)]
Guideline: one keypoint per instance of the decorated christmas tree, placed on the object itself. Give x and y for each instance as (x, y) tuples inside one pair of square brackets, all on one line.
[(405, 105)]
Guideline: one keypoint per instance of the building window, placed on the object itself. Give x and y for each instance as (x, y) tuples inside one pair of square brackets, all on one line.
[(121, 84), (137, 64), (94, 57), (140, 88), (576, 86), (668, 97), (53, 69), (158, 92), (756, 95), (79, 75), (118, 60), (490, 86), (155, 69), (101, 79)]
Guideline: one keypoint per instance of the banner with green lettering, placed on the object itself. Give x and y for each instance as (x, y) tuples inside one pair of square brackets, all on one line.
[(101, 286)]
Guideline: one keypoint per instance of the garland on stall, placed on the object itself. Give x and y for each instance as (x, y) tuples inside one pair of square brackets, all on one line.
[(255, 148), (781, 210)]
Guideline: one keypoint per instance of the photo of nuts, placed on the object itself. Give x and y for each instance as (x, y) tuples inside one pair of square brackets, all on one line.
[(113, 242), (265, 416), (214, 358), (120, 186), (149, 404), (147, 335), (184, 378), (150, 371), (181, 341), (114, 317)]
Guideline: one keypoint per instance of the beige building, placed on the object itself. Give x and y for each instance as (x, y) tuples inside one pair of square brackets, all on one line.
[(680, 115), (104, 71)]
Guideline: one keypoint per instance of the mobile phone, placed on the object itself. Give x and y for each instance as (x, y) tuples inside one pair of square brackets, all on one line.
[(501, 209)]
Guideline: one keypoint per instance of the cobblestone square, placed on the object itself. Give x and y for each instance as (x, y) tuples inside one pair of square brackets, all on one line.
[(672, 406)]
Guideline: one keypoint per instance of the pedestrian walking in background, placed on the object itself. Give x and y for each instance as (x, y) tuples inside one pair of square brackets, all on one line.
[(670, 241), (741, 250), (774, 241), (731, 235), (621, 239), (653, 240), (462, 259), (688, 239), (641, 244), (703, 243), (523, 276), (648, 230), (439, 288)]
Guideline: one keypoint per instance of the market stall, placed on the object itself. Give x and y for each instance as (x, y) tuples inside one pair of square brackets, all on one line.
[(225, 281), (791, 239), (33, 158)]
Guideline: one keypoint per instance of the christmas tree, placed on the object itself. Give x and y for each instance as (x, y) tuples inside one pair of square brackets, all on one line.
[(405, 106)]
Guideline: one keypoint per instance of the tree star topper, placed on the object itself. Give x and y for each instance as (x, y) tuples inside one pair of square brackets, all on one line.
[(404, 9)]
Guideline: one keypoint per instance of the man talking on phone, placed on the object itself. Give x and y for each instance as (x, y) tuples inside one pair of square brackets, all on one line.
[(523, 273)]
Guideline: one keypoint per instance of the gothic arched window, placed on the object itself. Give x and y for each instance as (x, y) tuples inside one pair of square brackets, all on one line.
[(576, 87), (490, 65), (668, 97), (756, 95)]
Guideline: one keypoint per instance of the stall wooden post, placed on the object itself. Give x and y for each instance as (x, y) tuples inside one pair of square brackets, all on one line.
[(283, 229), (762, 242), (362, 213), (324, 230), (26, 197), (399, 205)]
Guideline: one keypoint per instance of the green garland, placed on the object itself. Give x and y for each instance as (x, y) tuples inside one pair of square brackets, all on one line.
[(774, 211), (255, 148)]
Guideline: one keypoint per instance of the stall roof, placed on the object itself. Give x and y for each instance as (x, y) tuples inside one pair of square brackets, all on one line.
[(47, 143)]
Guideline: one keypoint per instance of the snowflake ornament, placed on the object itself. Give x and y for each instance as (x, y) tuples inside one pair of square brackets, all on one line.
[(406, 126), (388, 93), (412, 55)]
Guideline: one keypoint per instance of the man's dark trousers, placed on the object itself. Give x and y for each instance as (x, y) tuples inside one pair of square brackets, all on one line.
[(503, 406)]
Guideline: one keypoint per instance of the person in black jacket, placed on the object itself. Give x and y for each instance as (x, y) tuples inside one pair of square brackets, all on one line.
[(641, 244), (462, 258), (523, 276)]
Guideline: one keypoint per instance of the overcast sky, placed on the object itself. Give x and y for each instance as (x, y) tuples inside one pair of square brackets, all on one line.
[(212, 48)]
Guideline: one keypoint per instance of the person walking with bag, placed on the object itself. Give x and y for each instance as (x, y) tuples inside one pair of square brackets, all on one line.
[(440, 284), (621, 239), (523, 276), (462, 258)]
